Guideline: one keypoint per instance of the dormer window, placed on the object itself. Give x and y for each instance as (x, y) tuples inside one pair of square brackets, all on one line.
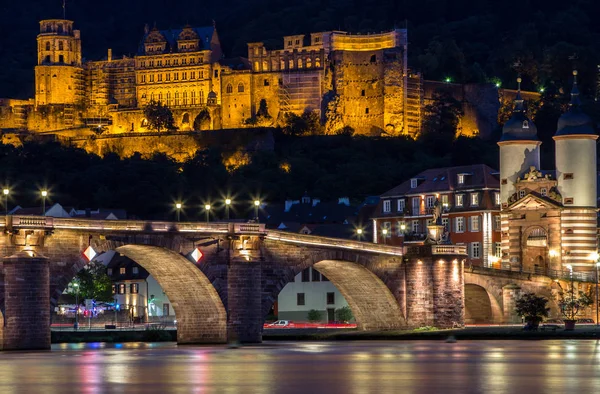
[(544, 191), (525, 124), (387, 206), (461, 179), (414, 183)]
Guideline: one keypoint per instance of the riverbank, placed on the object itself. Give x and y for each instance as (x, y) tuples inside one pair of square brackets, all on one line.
[(109, 336), (471, 333)]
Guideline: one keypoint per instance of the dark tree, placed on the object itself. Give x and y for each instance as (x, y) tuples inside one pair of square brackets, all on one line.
[(159, 116), (93, 283), (533, 308)]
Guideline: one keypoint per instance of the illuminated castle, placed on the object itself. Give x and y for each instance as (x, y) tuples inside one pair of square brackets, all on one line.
[(360, 81)]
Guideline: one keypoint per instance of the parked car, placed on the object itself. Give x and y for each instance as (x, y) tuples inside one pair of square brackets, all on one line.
[(554, 321), (280, 324), (585, 321)]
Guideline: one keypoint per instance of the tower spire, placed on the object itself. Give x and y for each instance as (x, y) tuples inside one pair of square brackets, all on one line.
[(64, 9), (575, 101), (519, 107)]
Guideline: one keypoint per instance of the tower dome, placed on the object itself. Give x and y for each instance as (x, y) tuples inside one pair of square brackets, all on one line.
[(519, 127), (575, 121)]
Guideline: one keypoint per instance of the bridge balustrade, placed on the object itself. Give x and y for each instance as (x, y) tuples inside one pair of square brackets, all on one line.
[(579, 276)]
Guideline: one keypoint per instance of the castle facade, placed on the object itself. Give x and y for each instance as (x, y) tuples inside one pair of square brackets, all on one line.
[(361, 81)]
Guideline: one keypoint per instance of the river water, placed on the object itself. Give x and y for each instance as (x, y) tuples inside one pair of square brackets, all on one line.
[(554, 366)]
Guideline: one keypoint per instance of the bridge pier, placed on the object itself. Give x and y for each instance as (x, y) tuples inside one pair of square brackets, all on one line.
[(434, 288), (244, 301), (27, 312)]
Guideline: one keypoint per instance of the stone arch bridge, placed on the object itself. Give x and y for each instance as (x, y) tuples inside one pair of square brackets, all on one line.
[(228, 293)]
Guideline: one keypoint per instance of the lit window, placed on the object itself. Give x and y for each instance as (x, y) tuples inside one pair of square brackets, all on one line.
[(474, 199), (387, 206), (400, 228), (461, 179), (401, 205), (497, 198), (474, 225), (460, 224), (497, 222), (122, 270), (122, 288), (459, 200), (387, 226), (114, 289), (444, 200), (430, 201), (498, 249), (134, 288), (446, 224), (415, 226)]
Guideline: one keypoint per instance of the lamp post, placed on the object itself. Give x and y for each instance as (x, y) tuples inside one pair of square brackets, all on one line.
[(256, 205), (44, 195), (384, 232), (6, 191), (227, 204), (594, 257), (570, 268), (178, 208), (359, 232), (207, 209), (76, 325)]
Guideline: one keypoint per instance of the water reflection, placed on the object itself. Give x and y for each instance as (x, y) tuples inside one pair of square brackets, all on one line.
[(319, 367)]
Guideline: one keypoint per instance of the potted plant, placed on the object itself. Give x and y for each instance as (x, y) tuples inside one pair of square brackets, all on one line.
[(571, 303), (533, 309)]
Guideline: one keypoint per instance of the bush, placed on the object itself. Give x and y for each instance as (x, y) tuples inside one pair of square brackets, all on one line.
[(344, 314), (156, 334), (314, 315), (532, 308)]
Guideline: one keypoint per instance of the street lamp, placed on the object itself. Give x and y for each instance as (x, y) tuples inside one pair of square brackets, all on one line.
[(570, 268), (6, 191), (594, 257), (384, 232), (178, 207), (359, 232), (44, 195), (207, 209), (256, 205), (227, 204), (76, 286)]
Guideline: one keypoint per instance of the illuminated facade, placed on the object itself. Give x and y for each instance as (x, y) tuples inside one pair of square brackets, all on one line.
[(549, 218), (470, 201)]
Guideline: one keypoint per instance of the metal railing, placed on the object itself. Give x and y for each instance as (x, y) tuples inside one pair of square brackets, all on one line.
[(579, 276)]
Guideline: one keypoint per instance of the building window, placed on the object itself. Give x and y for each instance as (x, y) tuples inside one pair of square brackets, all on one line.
[(459, 200), (300, 299), (135, 270), (362, 92), (544, 191), (229, 88), (498, 249), (444, 200), (122, 270), (387, 226), (122, 288), (521, 193), (366, 110), (266, 82), (387, 206), (430, 201), (401, 205), (461, 179), (416, 206), (415, 226), (109, 271), (316, 275), (474, 225), (240, 88), (114, 289), (446, 224), (61, 58), (568, 175), (497, 198), (400, 228), (61, 46), (460, 224), (413, 183), (134, 288), (474, 199), (330, 298), (475, 250), (569, 201), (497, 222), (306, 275)]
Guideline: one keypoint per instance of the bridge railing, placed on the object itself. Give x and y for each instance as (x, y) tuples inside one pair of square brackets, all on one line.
[(579, 276), (130, 225), (339, 243)]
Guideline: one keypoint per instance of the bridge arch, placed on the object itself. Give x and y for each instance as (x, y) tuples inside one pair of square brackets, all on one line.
[(481, 304), (201, 315)]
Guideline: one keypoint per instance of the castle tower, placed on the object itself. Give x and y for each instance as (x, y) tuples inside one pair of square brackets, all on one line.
[(575, 142), (519, 149), (59, 73)]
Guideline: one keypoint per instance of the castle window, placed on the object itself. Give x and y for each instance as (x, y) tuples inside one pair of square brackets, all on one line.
[(308, 63), (201, 97), (265, 65), (297, 42), (201, 60), (61, 59), (176, 62), (544, 191), (151, 77), (373, 58), (317, 39), (318, 63), (291, 63), (176, 77), (568, 176), (216, 73), (193, 75), (60, 28), (266, 82), (299, 63), (192, 61), (290, 42), (229, 88), (61, 46), (185, 101), (193, 98), (168, 99), (47, 46), (183, 61), (159, 77), (362, 92), (168, 76), (176, 98), (240, 88), (525, 124), (47, 59), (366, 110), (184, 75)]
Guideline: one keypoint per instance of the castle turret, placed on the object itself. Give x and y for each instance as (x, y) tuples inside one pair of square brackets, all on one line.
[(58, 74), (519, 148), (575, 142)]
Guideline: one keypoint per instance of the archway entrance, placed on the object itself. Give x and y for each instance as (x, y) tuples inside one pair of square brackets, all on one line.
[(202, 121), (478, 306)]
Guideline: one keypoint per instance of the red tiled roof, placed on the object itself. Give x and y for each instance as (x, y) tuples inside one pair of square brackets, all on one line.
[(446, 178)]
